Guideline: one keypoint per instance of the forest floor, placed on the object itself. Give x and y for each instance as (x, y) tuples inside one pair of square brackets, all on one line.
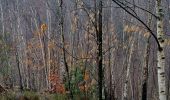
[(17, 94), (29, 95)]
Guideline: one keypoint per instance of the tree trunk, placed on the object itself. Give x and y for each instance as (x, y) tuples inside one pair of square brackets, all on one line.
[(48, 49), (145, 72), (99, 54), (19, 71), (63, 49), (125, 88), (160, 52), (146, 65)]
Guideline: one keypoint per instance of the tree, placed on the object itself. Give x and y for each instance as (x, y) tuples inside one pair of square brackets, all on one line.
[(160, 53), (160, 39), (99, 35), (147, 54), (63, 49)]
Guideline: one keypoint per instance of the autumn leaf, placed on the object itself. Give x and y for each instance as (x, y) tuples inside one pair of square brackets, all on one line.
[(131, 29), (86, 76), (56, 85), (43, 28)]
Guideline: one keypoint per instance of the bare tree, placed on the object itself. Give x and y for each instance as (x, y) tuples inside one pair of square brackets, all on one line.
[(63, 49)]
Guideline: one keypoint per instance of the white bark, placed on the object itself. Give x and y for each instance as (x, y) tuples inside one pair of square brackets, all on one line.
[(48, 40), (42, 51), (160, 53), (125, 91)]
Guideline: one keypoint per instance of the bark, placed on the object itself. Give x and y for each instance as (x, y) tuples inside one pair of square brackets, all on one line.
[(63, 49), (160, 52), (45, 55), (145, 71), (41, 45), (146, 66), (111, 93), (19, 71), (99, 55), (125, 88), (20, 48), (48, 41)]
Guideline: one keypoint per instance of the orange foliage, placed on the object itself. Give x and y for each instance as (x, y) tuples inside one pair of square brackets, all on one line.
[(43, 28), (131, 29), (56, 85), (85, 85), (51, 45), (86, 76)]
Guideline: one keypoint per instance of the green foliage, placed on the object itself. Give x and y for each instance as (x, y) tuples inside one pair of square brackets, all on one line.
[(76, 77)]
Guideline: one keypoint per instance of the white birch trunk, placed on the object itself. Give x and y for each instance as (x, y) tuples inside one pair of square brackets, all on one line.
[(42, 51), (160, 53), (125, 88), (48, 49)]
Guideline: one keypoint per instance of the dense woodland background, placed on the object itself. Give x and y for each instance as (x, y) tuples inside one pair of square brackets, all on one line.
[(84, 49)]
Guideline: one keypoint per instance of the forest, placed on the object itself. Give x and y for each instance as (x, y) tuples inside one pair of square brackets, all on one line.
[(84, 49)]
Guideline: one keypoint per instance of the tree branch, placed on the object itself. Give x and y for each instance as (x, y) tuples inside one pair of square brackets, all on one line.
[(137, 18)]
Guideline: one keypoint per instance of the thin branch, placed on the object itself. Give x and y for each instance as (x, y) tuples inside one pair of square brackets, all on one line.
[(142, 9), (154, 36)]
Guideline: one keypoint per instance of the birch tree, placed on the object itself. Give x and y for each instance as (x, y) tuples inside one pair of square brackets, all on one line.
[(125, 88), (160, 52)]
